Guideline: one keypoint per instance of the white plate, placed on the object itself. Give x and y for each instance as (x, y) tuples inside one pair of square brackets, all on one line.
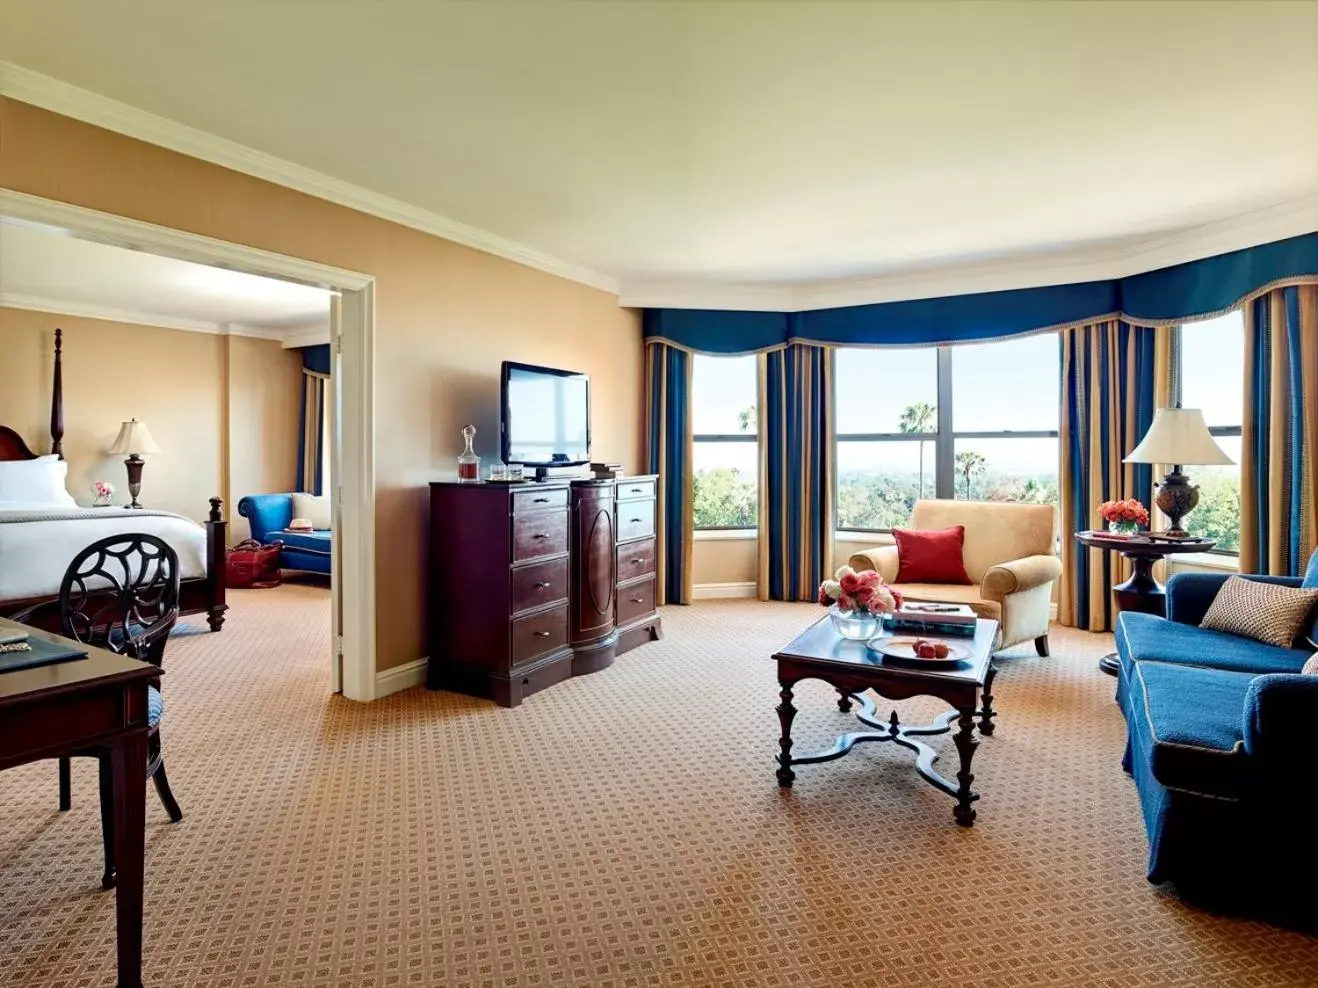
[(903, 649)]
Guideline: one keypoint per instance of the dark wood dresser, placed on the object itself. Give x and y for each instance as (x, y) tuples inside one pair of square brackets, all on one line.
[(533, 583)]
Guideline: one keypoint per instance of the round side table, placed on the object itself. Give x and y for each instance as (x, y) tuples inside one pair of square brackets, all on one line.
[(1141, 593)]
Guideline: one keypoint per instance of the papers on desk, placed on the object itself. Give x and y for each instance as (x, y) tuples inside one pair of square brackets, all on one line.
[(20, 651)]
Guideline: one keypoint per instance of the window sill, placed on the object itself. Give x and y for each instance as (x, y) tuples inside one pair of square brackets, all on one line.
[(870, 539), (725, 534), (1206, 560)]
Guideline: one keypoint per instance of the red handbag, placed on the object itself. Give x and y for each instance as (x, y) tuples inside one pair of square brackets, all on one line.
[(251, 565)]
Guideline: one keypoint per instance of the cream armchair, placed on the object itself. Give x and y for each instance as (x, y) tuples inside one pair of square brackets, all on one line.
[(1010, 555)]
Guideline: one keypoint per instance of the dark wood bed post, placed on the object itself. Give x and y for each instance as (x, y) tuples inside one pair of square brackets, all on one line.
[(216, 573), (57, 398)]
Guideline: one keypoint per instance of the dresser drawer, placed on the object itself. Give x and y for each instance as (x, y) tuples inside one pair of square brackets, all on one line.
[(635, 520), (539, 500), (537, 634), (540, 533), (538, 584), (629, 489), (635, 601), (635, 559)]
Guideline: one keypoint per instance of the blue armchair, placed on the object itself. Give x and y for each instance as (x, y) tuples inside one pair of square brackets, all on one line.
[(269, 515), (1221, 745)]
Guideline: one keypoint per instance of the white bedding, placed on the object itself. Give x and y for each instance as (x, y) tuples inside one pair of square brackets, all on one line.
[(35, 554)]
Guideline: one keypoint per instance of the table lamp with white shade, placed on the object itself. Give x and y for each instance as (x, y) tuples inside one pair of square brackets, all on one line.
[(134, 439), (1178, 436)]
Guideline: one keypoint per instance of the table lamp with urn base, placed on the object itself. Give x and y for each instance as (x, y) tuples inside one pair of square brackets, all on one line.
[(1178, 436), (134, 439)]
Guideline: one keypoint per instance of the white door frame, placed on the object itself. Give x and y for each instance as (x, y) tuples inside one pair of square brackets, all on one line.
[(352, 329)]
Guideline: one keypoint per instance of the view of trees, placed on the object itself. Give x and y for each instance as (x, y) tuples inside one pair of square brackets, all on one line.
[(1217, 516), (882, 496), (726, 497)]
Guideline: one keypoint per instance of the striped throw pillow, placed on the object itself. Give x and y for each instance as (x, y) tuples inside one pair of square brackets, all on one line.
[(1265, 612)]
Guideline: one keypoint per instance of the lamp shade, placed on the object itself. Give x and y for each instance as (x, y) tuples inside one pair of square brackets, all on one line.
[(133, 438), (1179, 436)]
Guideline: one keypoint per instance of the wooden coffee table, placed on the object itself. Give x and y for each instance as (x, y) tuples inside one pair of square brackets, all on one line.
[(850, 668)]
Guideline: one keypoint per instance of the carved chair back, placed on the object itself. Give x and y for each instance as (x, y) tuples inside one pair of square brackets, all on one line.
[(121, 593)]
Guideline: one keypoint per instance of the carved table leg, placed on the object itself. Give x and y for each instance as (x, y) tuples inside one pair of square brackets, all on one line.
[(785, 714), (843, 700), (966, 743), (986, 711)]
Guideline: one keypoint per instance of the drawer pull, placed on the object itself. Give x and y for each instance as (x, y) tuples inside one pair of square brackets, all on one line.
[(638, 600), (541, 500), (543, 585), (638, 559), (637, 521), (638, 490), (542, 634), (539, 535)]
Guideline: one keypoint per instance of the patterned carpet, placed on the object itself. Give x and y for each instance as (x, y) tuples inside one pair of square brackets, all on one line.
[(619, 830)]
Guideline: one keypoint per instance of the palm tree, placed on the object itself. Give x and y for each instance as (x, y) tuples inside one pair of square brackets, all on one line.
[(971, 464), (918, 418)]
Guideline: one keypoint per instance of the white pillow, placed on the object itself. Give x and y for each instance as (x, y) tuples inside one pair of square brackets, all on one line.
[(40, 481), (1311, 667), (315, 508)]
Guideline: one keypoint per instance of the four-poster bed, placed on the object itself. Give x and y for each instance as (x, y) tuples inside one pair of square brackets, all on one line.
[(35, 539)]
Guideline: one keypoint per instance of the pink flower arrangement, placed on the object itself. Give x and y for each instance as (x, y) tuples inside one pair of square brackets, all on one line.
[(1129, 511), (863, 592), (103, 488)]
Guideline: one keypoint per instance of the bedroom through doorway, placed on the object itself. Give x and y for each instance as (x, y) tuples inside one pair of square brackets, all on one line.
[(219, 371)]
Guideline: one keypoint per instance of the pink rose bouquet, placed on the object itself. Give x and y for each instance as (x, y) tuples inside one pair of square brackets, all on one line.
[(863, 592)]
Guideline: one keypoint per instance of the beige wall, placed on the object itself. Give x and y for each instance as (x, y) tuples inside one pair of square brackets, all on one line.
[(725, 561), (264, 399), (445, 317), (222, 409)]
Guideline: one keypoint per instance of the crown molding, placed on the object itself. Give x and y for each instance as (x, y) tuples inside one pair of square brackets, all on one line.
[(1116, 259), (300, 336), (292, 336), (68, 100)]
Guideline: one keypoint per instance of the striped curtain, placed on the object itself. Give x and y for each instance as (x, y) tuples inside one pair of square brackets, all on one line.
[(668, 452), (1108, 399), (311, 442), (1279, 437), (796, 471)]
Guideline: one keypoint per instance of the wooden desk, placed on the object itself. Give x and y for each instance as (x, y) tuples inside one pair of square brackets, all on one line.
[(71, 706)]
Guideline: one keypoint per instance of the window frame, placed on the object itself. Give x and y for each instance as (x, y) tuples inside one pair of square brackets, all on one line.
[(1227, 431), (720, 437), (944, 437)]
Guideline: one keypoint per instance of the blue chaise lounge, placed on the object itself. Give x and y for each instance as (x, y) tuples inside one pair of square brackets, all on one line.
[(269, 515), (1222, 743)]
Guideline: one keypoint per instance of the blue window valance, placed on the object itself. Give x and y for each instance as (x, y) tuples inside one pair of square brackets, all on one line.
[(1179, 293), (316, 358)]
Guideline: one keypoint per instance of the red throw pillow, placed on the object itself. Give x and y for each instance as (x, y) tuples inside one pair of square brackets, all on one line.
[(932, 556)]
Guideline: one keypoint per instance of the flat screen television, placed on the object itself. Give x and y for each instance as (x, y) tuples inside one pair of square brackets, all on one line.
[(546, 417)]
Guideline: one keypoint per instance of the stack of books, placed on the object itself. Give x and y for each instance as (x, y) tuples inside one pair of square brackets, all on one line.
[(606, 471), (936, 619)]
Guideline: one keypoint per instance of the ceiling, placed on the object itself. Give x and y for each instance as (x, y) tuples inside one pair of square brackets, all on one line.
[(749, 145), (45, 269)]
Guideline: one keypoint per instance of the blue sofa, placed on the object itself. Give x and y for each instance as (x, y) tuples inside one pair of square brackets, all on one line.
[(269, 515), (1222, 742)]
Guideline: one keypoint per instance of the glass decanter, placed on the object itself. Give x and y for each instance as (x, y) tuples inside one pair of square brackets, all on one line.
[(469, 464)]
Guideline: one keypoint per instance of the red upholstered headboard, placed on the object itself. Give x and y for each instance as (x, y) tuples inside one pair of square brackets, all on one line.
[(12, 446)]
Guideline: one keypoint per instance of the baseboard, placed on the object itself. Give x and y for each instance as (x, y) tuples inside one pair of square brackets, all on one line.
[(719, 591), (400, 678)]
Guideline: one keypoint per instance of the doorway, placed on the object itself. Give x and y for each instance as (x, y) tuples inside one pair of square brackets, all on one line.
[(349, 404)]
